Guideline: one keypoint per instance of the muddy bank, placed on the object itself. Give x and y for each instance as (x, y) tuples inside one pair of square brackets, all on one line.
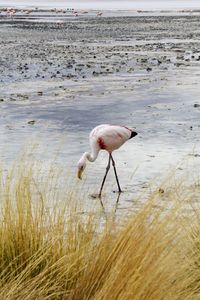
[(91, 47)]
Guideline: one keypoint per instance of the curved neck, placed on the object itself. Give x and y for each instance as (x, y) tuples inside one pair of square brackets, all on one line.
[(91, 156)]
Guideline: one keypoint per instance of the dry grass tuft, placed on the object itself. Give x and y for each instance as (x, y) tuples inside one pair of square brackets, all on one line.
[(51, 252)]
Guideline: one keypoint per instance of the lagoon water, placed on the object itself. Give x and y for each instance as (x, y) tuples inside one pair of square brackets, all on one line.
[(59, 80)]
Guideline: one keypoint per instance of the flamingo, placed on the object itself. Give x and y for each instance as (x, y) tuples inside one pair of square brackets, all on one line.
[(109, 138), (99, 14)]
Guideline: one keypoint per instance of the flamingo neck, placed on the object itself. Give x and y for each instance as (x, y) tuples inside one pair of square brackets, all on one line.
[(91, 156)]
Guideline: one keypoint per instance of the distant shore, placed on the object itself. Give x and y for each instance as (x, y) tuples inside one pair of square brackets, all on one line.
[(53, 14), (106, 5)]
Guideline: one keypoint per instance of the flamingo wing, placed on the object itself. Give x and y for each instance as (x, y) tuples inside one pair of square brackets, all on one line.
[(110, 137)]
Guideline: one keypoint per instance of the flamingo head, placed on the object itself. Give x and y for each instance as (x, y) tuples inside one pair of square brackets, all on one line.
[(81, 168)]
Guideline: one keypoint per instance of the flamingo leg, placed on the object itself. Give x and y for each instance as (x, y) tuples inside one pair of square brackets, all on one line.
[(104, 179), (113, 163)]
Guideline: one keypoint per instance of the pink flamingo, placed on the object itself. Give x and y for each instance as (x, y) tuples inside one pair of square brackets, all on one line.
[(10, 12), (105, 137), (99, 14)]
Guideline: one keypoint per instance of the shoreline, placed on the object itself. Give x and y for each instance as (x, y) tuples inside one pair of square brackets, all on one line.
[(37, 14), (106, 5)]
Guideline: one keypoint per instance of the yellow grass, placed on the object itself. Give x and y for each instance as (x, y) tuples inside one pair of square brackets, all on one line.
[(50, 251)]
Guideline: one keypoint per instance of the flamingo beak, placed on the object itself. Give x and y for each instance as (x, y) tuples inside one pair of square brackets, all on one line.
[(133, 133), (79, 173)]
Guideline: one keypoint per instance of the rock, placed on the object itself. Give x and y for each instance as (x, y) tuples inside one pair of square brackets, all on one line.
[(69, 76), (69, 66), (32, 122), (143, 60), (194, 154), (130, 70), (149, 69), (22, 96)]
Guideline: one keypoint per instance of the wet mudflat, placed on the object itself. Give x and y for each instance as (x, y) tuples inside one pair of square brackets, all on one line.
[(60, 78)]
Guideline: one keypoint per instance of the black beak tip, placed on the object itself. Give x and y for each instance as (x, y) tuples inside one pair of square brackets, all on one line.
[(133, 133)]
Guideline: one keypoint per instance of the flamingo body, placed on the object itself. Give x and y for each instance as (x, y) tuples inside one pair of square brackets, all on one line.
[(105, 137), (109, 137)]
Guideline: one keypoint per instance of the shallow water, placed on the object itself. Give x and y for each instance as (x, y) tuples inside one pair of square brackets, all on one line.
[(42, 107)]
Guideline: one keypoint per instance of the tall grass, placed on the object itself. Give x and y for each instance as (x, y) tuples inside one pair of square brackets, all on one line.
[(52, 252)]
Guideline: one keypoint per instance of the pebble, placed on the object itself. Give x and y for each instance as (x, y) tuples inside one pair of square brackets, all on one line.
[(32, 122)]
